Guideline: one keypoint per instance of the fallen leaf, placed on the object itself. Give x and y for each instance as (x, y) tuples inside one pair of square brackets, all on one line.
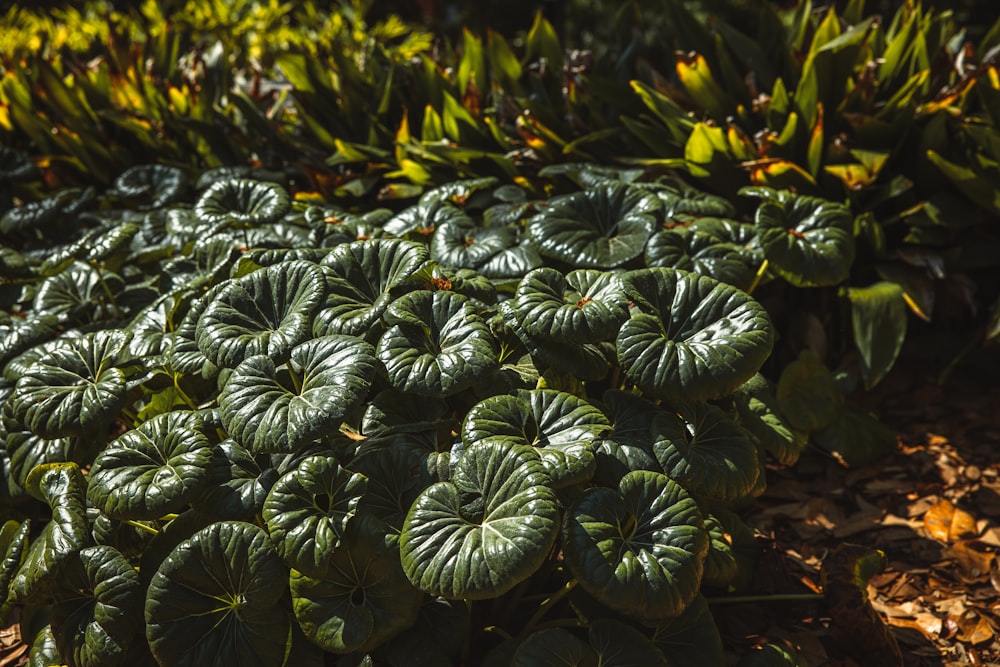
[(972, 565), (946, 523), (977, 631)]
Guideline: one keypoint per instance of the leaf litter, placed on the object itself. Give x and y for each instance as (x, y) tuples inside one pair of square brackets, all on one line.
[(933, 509)]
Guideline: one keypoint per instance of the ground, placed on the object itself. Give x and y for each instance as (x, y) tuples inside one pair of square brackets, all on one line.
[(933, 508)]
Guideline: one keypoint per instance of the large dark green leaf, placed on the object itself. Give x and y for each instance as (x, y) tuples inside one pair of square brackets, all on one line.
[(239, 483), (422, 219), (61, 487), (708, 453), (635, 423), (362, 281), (691, 337), (217, 600), (460, 243), (436, 344), (394, 481), (808, 241), (267, 312), (584, 306), (700, 252), (74, 389), (80, 292), (621, 645), (98, 608), (270, 408), (307, 511), (242, 202), (856, 438), (153, 470), (637, 549), (362, 600), (563, 427), (157, 185), (601, 228), (486, 530)]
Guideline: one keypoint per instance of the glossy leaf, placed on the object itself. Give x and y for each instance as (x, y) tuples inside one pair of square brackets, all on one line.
[(581, 307), (216, 600), (364, 276), (267, 312), (691, 337), (600, 228), (74, 389), (486, 530), (436, 344), (708, 453), (308, 510), (242, 202), (268, 408), (700, 252), (98, 608), (808, 241), (638, 549), (363, 599), (61, 487), (153, 470), (563, 427)]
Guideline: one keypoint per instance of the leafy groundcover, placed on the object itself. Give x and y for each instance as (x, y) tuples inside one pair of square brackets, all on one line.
[(243, 428)]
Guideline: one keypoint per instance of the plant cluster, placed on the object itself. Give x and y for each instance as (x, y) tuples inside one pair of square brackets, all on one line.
[(483, 428)]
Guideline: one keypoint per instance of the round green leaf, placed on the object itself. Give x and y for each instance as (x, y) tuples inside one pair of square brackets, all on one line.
[(157, 184), (242, 202), (700, 252), (638, 549), (635, 423), (239, 483), (694, 202), (362, 281), (362, 600), (621, 645), (307, 510), (217, 600), (436, 344), (486, 530), (267, 312), (459, 243), (98, 608), (74, 389), (584, 306), (708, 453), (563, 427), (808, 241), (600, 228), (155, 469), (270, 408), (691, 338)]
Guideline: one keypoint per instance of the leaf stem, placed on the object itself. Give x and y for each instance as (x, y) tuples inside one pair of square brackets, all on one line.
[(781, 597), (183, 395), (295, 379), (757, 278), (547, 605), (141, 526)]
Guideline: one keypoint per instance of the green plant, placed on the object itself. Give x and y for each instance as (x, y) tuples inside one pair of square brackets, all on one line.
[(281, 429)]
